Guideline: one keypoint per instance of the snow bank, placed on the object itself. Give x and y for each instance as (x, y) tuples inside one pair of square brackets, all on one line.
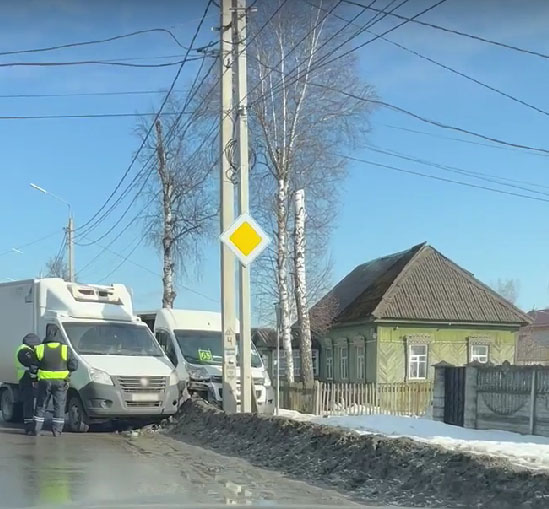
[(523, 450), (366, 466)]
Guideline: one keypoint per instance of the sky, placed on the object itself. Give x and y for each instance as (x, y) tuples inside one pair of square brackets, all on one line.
[(493, 235)]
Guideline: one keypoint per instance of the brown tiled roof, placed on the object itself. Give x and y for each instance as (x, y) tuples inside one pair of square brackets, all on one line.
[(420, 284)]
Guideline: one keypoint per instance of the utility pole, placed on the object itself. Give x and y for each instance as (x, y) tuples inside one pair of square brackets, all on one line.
[(245, 346), (228, 318), (70, 246)]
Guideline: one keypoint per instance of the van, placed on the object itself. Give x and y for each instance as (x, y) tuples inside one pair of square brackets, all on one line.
[(185, 335), (123, 373)]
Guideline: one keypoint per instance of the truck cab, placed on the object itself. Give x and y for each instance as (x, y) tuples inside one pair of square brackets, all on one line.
[(193, 342), (123, 373)]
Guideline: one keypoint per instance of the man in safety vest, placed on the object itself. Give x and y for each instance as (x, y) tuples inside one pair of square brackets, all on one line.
[(55, 362), (25, 364)]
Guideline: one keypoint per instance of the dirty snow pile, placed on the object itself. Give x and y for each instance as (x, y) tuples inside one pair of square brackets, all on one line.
[(523, 450)]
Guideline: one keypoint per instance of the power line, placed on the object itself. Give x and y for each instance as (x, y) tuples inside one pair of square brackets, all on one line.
[(194, 89), (434, 122), (463, 75), (95, 41), (90, 115), (461, 140), (492, 178), (32, 242), (452, 31), (144, 141), (443, 179), (99, 62), (127, 258), (324, 63), (435, 62)]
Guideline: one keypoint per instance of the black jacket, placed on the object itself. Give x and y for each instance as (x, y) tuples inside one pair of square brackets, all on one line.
[(26, 356)]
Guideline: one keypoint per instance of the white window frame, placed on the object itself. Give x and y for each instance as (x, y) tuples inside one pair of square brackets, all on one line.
[(344, 362), (479, 357), (329, 362), (418, 360), (360, 361)]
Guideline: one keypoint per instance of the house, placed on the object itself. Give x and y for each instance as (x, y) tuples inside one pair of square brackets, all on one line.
[(265, 340), (395, 317), (533, 341)]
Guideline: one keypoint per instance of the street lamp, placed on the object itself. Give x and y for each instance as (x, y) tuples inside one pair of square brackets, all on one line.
[(70, 228)]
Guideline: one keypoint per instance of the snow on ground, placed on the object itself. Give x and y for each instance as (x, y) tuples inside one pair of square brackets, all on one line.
[(523, 450)]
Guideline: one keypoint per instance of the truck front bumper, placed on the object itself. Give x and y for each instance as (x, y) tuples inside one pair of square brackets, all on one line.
[(109, 402)]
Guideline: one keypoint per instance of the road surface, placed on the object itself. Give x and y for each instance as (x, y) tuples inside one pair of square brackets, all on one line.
[(104, 468)]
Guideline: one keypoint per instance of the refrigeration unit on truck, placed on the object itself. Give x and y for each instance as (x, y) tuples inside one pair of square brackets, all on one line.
[(123, 374), (193, 342)]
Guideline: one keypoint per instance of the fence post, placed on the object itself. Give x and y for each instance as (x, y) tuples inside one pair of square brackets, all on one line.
[(470, 403), (438, 391), (532, 422)]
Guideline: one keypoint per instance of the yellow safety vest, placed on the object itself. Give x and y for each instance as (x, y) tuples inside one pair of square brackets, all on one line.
[(53, 361), (21, 370)]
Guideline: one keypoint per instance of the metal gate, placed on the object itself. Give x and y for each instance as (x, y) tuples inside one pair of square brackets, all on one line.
[(454, 395)]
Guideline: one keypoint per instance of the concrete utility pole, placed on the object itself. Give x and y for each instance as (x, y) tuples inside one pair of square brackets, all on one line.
[(227, 209), (246, 385), (70, 246)]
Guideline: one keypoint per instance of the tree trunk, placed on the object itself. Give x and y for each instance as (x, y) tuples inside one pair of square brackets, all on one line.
[(283, 294), (307, 373), (168, 296)]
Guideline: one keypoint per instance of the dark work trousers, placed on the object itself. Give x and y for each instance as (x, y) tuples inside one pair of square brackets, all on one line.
[(26, 390), (56, 390)]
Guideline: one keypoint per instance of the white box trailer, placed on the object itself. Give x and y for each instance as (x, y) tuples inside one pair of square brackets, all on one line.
[(193, 342), (123, 374)]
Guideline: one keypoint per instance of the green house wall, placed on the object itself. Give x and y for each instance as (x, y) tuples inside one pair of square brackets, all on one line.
[(446, 343), (386, 352)]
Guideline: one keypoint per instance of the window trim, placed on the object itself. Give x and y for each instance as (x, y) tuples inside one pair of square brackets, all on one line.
[(331, 363), (418, 361), (341, 348), (360, 366)]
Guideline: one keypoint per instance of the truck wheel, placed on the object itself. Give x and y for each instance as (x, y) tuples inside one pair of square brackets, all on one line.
[(11, 411), (76, 416)]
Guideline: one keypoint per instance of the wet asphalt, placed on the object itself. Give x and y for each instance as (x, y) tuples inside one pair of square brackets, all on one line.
[(104, 469)]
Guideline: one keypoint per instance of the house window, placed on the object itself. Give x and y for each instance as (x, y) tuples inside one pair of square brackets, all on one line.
[(479, 353), (417, 362), (344, 362), (329, 362), (360, 362)]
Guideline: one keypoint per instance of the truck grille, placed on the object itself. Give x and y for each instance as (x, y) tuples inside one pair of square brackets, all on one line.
[(143, 404), (142, 383)]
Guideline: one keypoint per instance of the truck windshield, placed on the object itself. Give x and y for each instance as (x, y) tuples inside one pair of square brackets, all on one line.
[(206, 347), (111, 339)]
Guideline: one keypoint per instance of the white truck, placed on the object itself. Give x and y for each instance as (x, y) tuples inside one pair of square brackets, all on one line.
[(193, 342), (123, 373)]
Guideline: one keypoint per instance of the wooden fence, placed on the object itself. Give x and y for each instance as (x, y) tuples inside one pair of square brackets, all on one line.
[(329, 398)]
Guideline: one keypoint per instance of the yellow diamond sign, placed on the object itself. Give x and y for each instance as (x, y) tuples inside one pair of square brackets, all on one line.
[(245, 238)]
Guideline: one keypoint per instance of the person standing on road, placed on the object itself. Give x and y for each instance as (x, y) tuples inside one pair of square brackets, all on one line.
[(27, 369), (55, 363)]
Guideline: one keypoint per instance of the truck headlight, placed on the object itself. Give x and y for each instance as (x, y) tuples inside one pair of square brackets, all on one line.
[(100, 377), (266, 379), (174, 379), (199, 374)]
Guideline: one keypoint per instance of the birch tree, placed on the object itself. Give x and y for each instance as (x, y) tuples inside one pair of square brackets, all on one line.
[(182, 208), (307, 373), (300, 125)]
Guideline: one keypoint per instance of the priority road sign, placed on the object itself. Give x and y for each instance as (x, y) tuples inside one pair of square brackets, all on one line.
[(245, 238)]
